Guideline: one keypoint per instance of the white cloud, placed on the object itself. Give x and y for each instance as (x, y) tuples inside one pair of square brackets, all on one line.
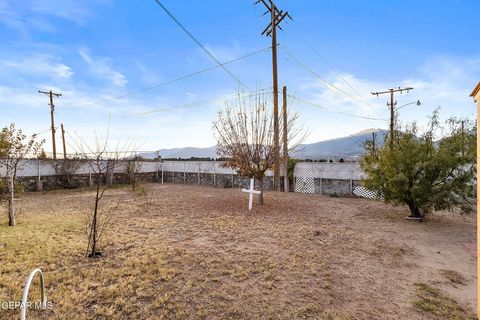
[(444, 82), (100, 66), (223, 53), (23, 16), (43, 65), (72, 10)]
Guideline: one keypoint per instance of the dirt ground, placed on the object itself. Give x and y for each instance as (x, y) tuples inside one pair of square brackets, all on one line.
[(192, 252)]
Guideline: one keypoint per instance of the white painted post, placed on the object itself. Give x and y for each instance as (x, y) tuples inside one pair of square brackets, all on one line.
[(23, 305), (161, 164), (232, 181), (184, 170), (173, 172), (251, 191)]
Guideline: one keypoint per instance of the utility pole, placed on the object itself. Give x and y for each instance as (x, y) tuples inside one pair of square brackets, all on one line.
[(276, 16), (63, 140), (52, 109), (392, 105), (286, 186), (373, 143)]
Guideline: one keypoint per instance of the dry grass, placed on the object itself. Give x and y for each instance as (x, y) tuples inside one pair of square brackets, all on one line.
[(432, 301), (186, 252), (454, 277)]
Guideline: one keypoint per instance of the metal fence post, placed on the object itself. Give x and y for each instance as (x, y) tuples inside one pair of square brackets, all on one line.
[(198, 173), (214, 173), (90, 182), (39, 181), (351, 180), (321, 181)]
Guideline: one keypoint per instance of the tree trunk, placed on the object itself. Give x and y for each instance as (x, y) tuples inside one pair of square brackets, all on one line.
[(260, 196), (93, 228), (11, 212), (414, 210), (11, 204)]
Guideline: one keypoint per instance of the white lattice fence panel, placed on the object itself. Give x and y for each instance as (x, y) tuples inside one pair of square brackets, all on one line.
[(365, 193), (304, 178)]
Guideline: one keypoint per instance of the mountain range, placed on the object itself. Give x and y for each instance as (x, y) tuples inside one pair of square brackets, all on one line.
[(348, 147)]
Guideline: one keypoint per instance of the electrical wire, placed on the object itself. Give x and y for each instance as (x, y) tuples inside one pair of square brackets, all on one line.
[(200, 44), (198, 103), (327, 84), (335, 111), (190, 75)]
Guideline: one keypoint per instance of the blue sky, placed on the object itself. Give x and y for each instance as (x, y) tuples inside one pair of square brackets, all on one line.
[(95, 50)]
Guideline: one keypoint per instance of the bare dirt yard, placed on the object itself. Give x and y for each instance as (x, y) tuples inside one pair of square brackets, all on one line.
[(190, 252)]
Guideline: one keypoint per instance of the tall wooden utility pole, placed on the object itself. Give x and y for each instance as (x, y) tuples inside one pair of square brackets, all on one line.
[(52, 109), (374, 151), (271, 30), (392, 105), (286, 185), (63, 140)]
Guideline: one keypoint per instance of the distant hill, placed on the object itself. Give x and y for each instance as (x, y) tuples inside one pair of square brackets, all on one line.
[(184, 153), (344, 147)]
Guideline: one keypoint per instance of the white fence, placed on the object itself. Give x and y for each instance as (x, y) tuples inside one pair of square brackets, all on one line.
[(325, 177), (39, 168), (326, 170)]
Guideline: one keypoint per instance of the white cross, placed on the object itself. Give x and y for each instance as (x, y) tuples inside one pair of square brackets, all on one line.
[(251, 191)]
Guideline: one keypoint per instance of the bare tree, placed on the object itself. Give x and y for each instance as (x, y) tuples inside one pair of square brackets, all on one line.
[(67, 168), (103, 164), (244, 134), (132, 170), (15, 150)]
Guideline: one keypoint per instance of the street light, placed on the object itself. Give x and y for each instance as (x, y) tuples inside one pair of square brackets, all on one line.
[(418, 103)]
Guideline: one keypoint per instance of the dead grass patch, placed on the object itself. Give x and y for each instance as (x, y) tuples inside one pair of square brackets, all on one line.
[(432, 301), (453, 276)]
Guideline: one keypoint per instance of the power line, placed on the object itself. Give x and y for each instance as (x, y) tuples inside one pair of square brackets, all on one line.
[(324, 60), (319, 40), (327, 84), (335, 111), (200, 45), (196, 104), (131, 93)]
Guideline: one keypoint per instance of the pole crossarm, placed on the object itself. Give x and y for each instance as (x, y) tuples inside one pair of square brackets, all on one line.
[(392, 105), (407, 89), (279, 16)]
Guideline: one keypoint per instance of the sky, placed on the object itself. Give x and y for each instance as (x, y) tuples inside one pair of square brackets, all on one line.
[(126, 68)]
